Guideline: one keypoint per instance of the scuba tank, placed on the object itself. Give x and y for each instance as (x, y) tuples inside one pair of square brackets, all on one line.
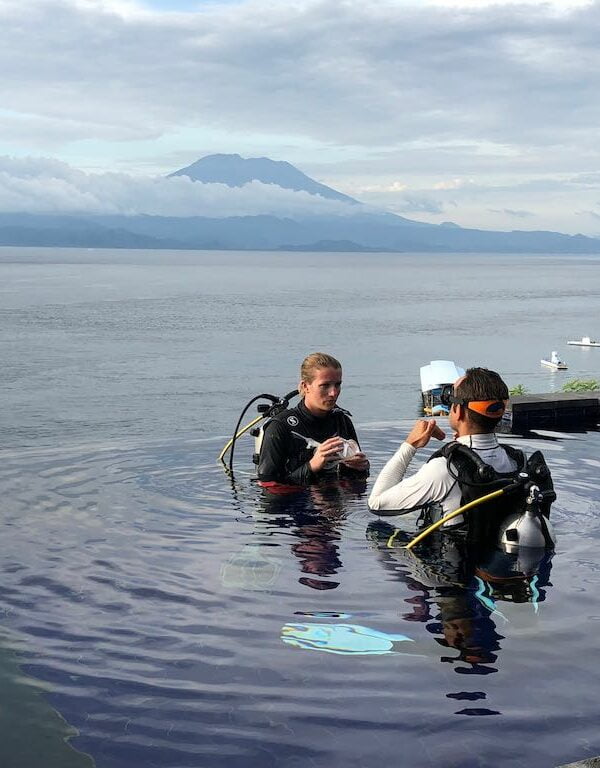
[(530, 529), (519, 516), (258, 434), (266, 411)]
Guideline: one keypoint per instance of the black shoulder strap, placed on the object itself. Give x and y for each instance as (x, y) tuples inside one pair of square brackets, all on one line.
[(443, 452), (451, 450), (516, 455), (470, 464), (289, 418)]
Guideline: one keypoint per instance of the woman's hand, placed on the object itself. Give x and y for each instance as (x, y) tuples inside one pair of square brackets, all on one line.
[(327, 450), (358, 462)]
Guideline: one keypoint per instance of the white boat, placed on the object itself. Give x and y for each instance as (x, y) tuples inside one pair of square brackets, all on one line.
[(585, 342), (433, 378), (554, 362)]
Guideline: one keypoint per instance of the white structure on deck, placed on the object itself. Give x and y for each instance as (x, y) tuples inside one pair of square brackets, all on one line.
[(433, 377)]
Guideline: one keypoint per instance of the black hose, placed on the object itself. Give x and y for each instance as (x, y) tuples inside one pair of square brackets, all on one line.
[(281, 404)]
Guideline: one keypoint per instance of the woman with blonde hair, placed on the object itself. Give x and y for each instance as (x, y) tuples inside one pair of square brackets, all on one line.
[(316, 439)]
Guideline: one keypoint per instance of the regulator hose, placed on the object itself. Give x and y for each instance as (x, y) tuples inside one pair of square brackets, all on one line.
[(278, 404), (451, 515), (511, 488), (237, 432)]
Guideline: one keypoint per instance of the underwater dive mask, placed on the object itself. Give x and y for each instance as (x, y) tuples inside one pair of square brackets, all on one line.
[(493, 409), (348, 450)]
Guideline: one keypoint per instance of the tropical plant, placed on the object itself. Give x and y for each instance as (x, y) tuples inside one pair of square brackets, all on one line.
[(518, 390), (581, 385)]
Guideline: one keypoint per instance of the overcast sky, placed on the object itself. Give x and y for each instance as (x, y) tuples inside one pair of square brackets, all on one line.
[(457, 110)]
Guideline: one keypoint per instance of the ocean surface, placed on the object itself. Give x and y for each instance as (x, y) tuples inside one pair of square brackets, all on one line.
[(155, 611)]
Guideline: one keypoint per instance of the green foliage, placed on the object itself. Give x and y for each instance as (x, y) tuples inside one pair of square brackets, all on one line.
[(581, 385), (518, 390)]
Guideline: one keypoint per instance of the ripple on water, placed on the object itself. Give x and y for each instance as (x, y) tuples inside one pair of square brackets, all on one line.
[(149, 594)]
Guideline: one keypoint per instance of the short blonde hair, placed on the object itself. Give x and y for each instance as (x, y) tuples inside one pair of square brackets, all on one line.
[(314, 362)]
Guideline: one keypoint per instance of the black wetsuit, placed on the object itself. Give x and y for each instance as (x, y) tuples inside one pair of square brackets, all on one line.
[(284, 458)]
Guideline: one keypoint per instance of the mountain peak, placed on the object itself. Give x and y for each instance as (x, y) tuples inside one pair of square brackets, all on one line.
[(235, 171)]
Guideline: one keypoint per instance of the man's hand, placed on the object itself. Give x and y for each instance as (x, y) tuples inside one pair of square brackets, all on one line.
[(326, 451), (358, 462), (422, 433)]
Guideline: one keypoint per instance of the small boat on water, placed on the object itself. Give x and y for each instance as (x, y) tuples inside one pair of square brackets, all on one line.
[(434, 377), (554, 362), (585, 342)]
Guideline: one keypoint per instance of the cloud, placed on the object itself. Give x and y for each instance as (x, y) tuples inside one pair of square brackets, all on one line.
[(414, 204), (392, 97), (564, 5), (363, 72), (547, 202), (587, 179), (515, 214), (593, 214), (39, 185)]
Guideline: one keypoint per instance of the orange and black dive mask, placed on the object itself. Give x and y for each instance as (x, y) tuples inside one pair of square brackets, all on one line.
[(493, 409)]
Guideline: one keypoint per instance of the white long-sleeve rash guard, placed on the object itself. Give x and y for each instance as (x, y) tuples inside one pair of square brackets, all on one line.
[(393, 494)]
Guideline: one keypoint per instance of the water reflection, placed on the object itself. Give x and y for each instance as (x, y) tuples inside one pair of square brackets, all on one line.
[(312, 519), (29, 727), (457, 590), (250, 568), (342, 639), (315, 517)]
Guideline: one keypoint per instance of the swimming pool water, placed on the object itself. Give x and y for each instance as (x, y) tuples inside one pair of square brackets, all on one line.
[(156, 612)]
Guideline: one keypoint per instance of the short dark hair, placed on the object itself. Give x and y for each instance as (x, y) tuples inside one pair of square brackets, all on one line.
[(482, 384)]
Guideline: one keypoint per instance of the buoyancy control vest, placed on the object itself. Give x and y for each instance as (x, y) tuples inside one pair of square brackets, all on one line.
[(476, 479)]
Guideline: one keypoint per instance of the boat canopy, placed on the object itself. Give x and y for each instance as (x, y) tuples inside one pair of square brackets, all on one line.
[(438, 373)]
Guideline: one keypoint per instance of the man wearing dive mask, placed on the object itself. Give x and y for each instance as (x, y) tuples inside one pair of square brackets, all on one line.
[(315, 439), (477, 401)]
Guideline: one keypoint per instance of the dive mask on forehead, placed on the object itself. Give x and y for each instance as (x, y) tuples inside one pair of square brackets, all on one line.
[(493, 409)]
